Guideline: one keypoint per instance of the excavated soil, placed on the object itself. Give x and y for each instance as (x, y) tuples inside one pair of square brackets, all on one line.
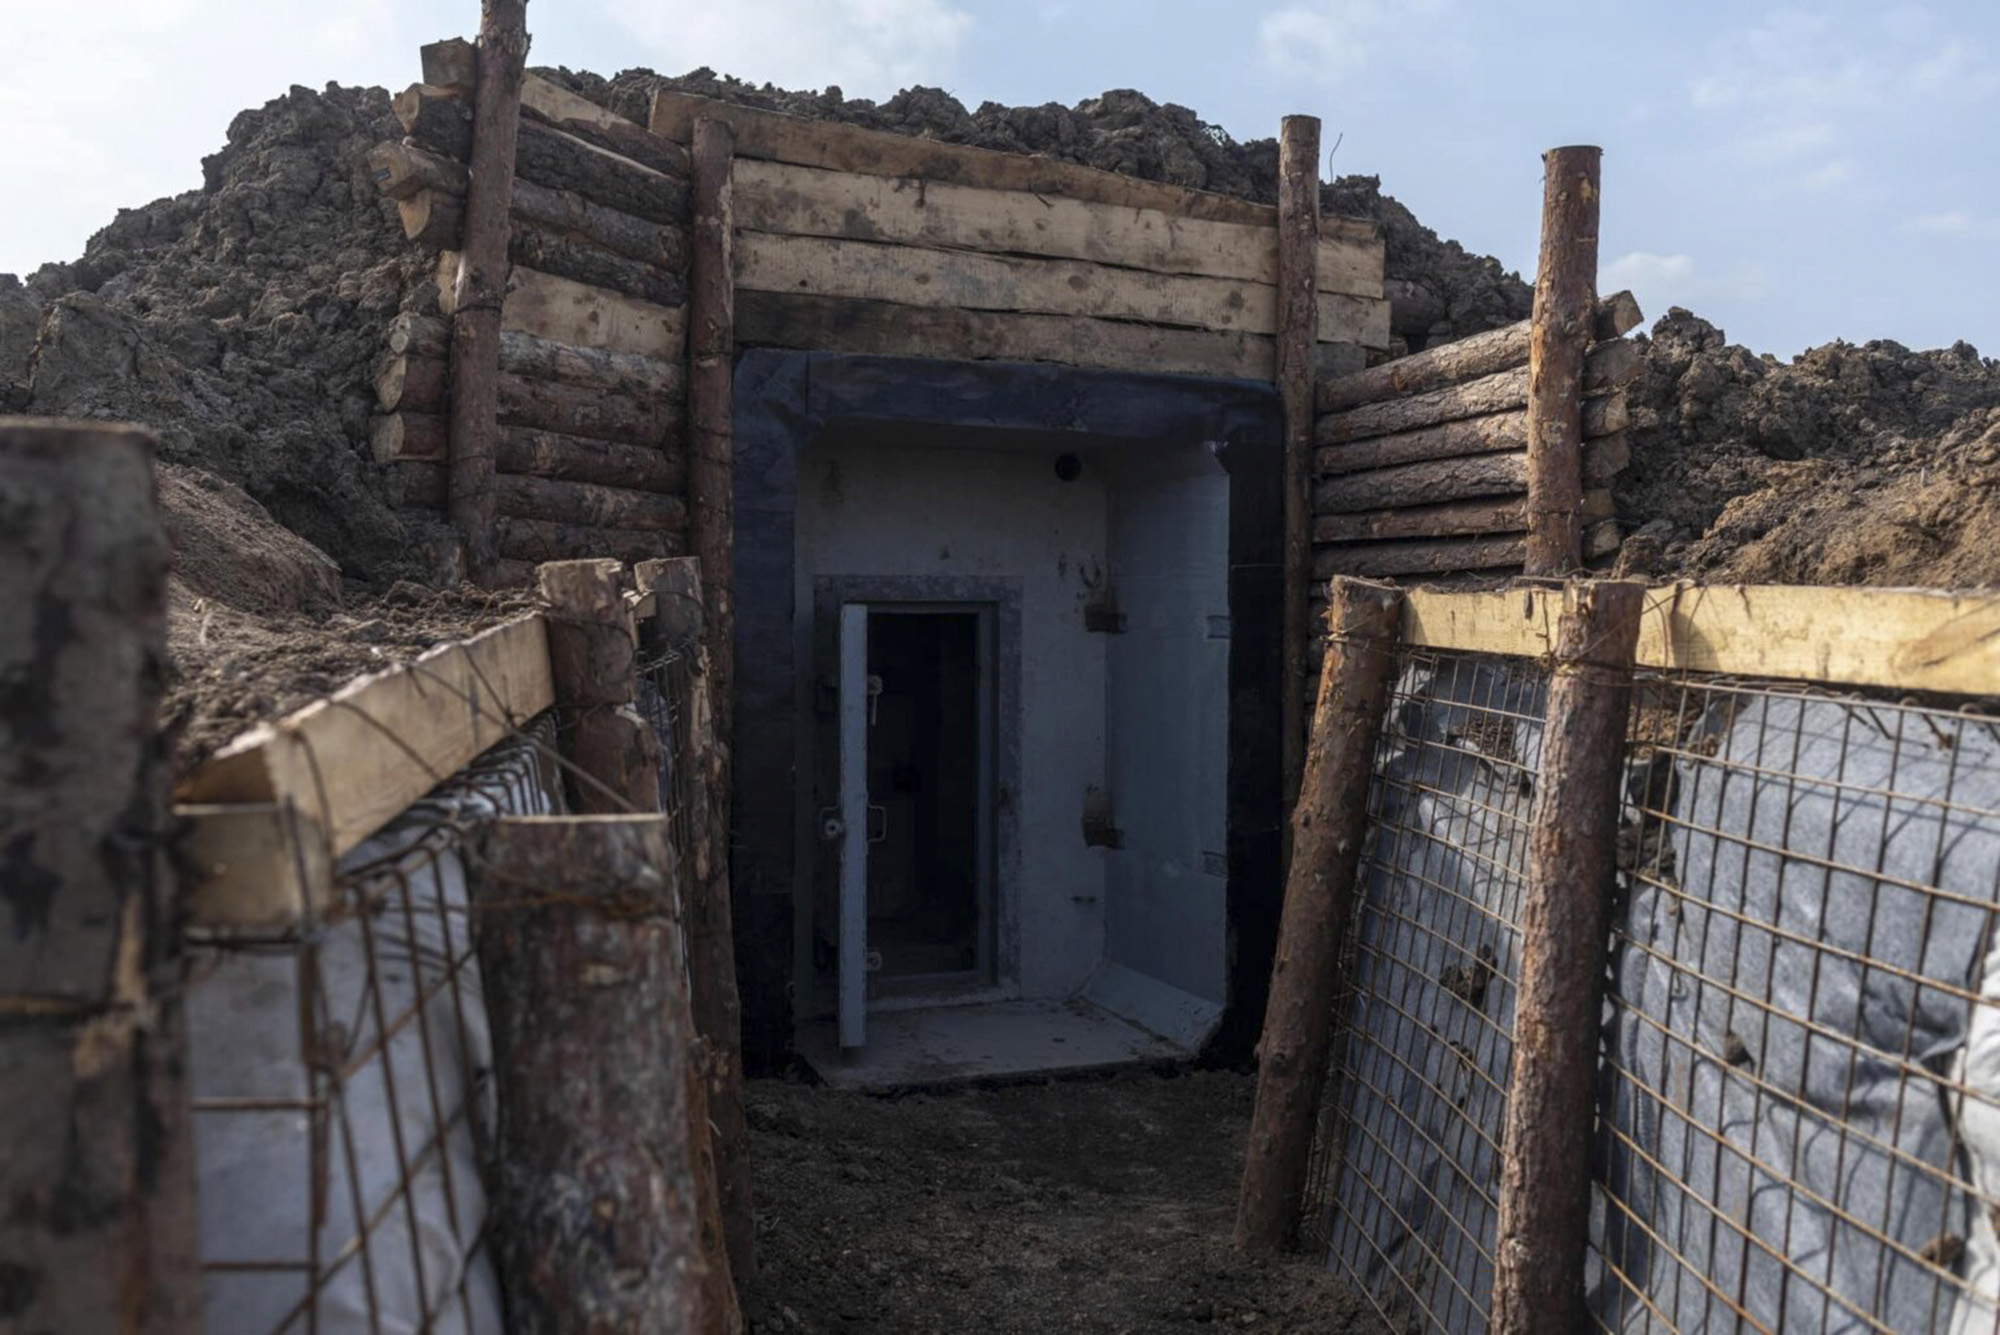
[(1093, 1205)]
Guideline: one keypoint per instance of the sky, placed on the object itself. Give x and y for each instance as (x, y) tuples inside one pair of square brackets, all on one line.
[(1794, 173)]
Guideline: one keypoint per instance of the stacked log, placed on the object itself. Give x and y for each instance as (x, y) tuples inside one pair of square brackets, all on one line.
[(590, 453), (1421, 464)]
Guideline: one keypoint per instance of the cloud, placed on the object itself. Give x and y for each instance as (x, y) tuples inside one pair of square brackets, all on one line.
[(1323, 38), (1823, 177), (1956, 223), (1660, 281), (870, 48)]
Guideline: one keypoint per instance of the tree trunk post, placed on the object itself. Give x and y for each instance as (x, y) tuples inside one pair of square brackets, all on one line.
[(1297, 337), (1565, 303), (680, 625), (97, 1213), (593, 658), (595, 1213), (711, 373), (1572, 842), (1328, 824), (481, 283)]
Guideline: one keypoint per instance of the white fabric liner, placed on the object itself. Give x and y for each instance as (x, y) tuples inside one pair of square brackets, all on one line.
[(255, 1168)]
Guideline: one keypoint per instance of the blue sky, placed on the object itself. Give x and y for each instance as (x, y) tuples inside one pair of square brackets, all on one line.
[(1795, 173)]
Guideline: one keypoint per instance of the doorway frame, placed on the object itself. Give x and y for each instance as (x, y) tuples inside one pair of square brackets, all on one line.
[(784, 400), (997, 601)]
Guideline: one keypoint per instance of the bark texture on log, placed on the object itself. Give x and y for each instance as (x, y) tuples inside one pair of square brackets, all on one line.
[(593, 660), (1451, 519), (1572, 837), (521, 539), (711, 497), (98, 1228), (1565, 295), (1297, 334), (1463, 359), (594, 1203), (1502, 391), (435, 120), (1457, 479), (680, 626), (1446, 440), (418, 385), (420, 437), (1327, 827), (481, 283), (534, 358)]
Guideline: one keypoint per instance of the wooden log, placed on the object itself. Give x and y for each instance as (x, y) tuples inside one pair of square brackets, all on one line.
[(1463, 359), (433, 218), (963, 280), (565, 311), (1453, 519), (521, 539), (808, 201), (577, 504), (1328, 824), (1296, 334), (534, 358), (98, 1232), (1606, 415), (435, 119), (549, 251), (416, 384), (711, 451), (1446, 440), (1572, 860), (1456, 479), (594, 1200), (1430, 556), (448, 65), (1565, 294), (783, 320), (405, 171), (479, 278), (407, 437), (593, 659), (680, 626), (1608, 368)]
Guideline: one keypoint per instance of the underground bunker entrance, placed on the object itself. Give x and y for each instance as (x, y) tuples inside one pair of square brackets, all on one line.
[(925, 782)]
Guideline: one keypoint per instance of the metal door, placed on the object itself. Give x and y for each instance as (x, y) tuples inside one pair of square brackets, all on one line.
[(853, 807)]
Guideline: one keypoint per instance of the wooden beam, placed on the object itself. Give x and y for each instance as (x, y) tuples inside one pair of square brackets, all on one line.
[(834, 324), (1452, 519), (594, 1187), (359, 758), (1903, 639), (1463, 359), (716, 267), (781, 138), (1545, 1158), (257, 866), (1296, 334), (479, 278), (1607, 369), (417, 384), (1455, 479), (1327, 828), (1565, 296), (810, 201), (535, 358), (564, 311), (98, 1231), (520, 538)]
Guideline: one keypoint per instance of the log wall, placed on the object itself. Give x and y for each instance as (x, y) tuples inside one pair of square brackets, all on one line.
[(1420, 466)]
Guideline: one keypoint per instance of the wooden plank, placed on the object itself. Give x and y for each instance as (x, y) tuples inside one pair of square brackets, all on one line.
[(565, 311), (452, 64), (255, 866), (916, 276), (810, 201), (357, 759), (832, 324), (1453, 519), (1904, 639), (782, 138)]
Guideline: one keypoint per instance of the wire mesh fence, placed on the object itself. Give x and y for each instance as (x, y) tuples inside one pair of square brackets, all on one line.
[(1800, 1057)]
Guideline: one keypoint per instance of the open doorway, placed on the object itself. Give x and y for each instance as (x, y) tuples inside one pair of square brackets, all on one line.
[(927, 786)]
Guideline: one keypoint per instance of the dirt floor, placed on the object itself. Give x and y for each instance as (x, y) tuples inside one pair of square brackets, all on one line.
[(1101, 1204)]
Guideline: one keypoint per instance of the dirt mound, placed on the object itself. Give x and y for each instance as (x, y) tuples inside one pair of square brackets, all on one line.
[(1867, 464), (240, 321), (1440, 290)]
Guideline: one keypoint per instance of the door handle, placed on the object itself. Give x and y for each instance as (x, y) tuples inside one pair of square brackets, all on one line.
[(878, 832)]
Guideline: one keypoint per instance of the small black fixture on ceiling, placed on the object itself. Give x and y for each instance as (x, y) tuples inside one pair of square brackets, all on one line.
[(1068, 467)]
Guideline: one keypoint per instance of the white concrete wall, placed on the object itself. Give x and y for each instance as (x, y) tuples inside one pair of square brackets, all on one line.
[(940, 510), (1168, 721)]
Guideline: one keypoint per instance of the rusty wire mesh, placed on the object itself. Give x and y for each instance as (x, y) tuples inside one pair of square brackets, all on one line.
[(339, 1076), (1402, 1188), (1799, 1112)]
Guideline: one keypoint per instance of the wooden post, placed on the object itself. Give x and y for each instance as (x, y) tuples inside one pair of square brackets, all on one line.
[(680, 625), (97, 1218), (1565, 301), (481, 283), (593, 657), (594, 1204), (1297, 337), (1572, 839), (1363, 624), (711, 371)]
